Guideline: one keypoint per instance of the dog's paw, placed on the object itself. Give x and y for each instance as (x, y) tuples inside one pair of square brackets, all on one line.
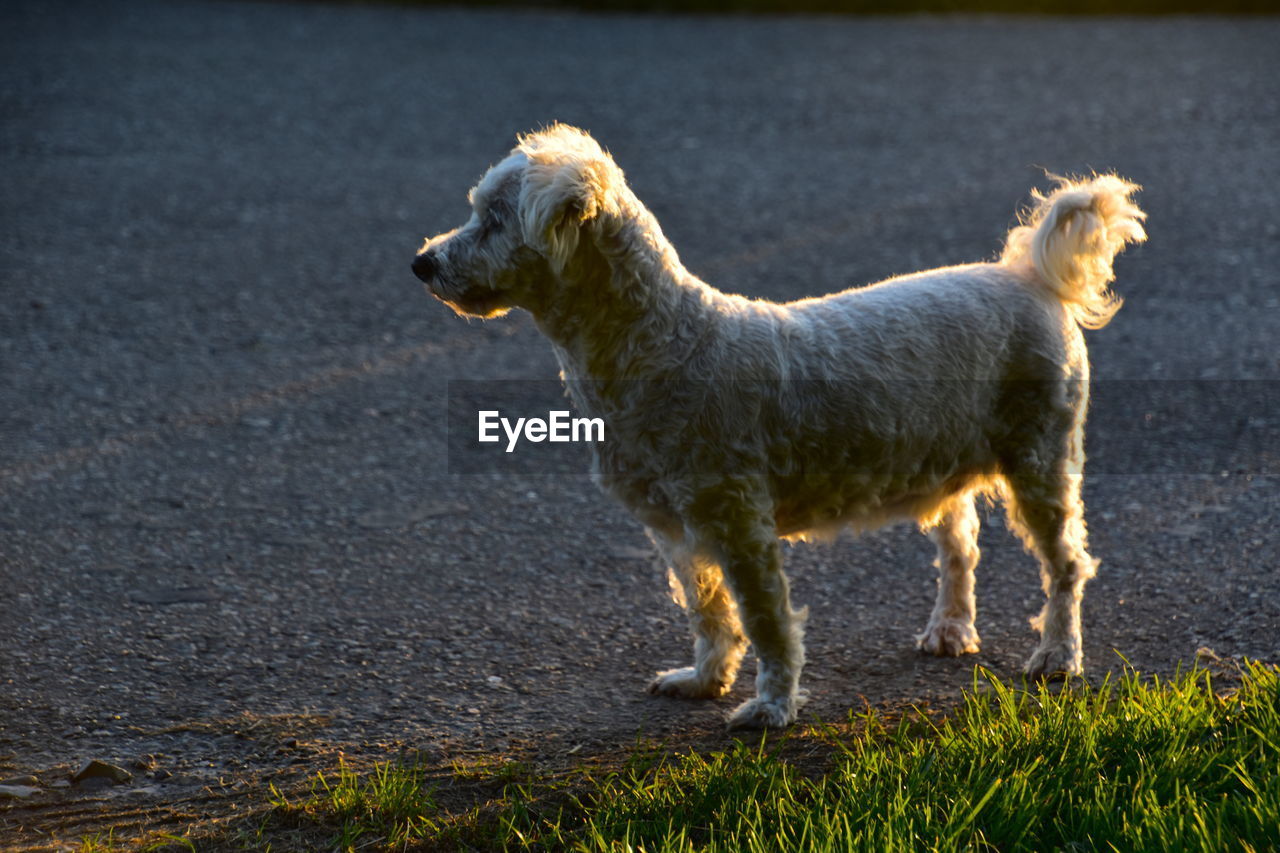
[(949, 638), (765, 713), (685, 683), (1055, 662)]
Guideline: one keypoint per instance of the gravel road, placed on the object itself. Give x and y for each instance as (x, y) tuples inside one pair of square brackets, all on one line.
[(230, 546)]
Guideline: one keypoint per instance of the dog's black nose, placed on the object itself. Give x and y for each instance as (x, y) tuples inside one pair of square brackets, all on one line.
[(424, 267)]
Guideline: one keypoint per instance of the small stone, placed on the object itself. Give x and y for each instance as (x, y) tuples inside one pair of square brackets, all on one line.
[(17, 792), (30, 781), (95, 769)]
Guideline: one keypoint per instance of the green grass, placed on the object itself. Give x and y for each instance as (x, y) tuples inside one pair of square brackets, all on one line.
[(391, 807), (1132, 764), (106, 843), (1188, 763)]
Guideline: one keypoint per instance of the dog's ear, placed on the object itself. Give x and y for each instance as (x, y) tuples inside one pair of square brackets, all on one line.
[(555, 202), (569, 182)]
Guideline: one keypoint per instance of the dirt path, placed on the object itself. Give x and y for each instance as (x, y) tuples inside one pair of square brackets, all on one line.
[(229, 545)]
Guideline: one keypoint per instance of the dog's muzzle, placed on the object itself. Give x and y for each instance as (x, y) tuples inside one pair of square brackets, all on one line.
[(425, 267)]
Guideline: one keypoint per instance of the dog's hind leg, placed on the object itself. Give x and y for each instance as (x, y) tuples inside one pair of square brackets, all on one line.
[(951, 630), (1048, 513), (718, 642)]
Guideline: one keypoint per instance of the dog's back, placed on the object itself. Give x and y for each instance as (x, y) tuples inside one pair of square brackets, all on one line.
[(906, 392), (886, 400)]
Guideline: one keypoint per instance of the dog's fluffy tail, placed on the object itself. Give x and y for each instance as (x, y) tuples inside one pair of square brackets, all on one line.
[(1072, 235)]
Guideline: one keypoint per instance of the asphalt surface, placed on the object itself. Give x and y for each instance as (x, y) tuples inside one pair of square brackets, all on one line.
[(230, 545)]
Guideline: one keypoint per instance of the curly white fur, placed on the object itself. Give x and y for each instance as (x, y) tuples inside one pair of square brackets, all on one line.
[(731, 422)]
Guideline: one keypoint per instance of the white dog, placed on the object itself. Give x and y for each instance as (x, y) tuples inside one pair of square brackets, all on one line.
[(731, 422)]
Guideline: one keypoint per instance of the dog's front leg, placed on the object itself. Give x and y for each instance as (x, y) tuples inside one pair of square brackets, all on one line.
[(718, 643), (752, 564)]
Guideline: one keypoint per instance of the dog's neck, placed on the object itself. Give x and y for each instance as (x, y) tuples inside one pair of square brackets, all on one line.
[(621, 307)]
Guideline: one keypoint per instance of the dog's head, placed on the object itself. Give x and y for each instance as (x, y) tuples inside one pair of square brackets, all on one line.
[(528, 215)]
